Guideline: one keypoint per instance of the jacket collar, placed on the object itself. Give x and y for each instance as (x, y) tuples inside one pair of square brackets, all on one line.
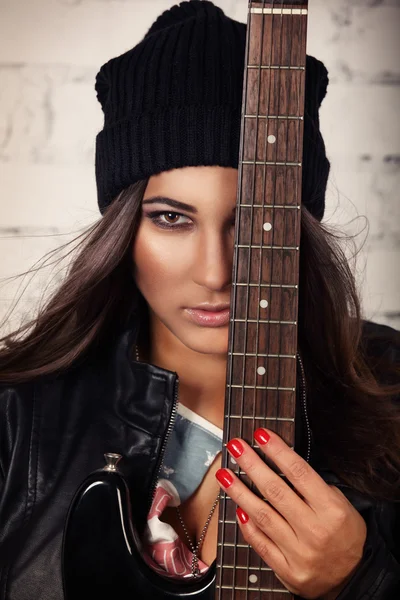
[(162, 400)]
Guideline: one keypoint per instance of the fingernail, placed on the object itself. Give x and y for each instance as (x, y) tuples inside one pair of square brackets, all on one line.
[(235, 448), (243, 516), (224, 477), (261, 436)]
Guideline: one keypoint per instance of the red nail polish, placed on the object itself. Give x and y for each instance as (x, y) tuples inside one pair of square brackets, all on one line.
[(261, 436), (243, 516), (235, 448), (224, 477)]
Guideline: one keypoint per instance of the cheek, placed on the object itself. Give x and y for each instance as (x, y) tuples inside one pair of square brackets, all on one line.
[(158, 266)]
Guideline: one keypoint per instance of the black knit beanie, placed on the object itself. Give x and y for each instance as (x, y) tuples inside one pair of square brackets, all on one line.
[(174, 100)]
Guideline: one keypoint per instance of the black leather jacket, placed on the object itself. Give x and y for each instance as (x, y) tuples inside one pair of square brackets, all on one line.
[(54, 431)]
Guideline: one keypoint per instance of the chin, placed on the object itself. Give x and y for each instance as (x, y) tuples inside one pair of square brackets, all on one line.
[(208, 340)]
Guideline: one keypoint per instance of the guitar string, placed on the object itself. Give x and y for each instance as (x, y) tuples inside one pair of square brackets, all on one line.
[(272, 74), (223, 500), (272, 270), (301, 85), (302, 80), (245, 331), (302, 24), (247, 295), (284, 230), (297, 149), (264, 21)]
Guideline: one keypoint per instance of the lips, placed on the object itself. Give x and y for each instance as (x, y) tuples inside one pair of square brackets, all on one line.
[(208, 318)]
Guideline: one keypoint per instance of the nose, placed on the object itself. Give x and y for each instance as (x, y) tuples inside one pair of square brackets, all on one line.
[(213, 261)]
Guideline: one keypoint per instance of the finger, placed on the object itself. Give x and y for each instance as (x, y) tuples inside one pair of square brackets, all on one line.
[(272, 487), (262, 544), (265, 517), (304, 478)]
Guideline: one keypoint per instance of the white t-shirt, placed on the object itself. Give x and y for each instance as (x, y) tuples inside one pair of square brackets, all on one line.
[(192, 447)]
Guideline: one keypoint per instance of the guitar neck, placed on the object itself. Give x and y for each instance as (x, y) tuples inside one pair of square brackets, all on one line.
[(261, 373)]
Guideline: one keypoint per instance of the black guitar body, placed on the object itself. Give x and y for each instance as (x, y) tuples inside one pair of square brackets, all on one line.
[(101, 550)]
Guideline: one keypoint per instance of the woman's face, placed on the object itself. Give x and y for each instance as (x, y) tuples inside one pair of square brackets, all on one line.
[(183, 254)]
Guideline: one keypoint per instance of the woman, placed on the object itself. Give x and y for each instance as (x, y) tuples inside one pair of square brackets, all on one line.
[(97, 372)]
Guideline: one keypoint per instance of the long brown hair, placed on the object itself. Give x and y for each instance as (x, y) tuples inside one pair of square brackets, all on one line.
[(354, 417)]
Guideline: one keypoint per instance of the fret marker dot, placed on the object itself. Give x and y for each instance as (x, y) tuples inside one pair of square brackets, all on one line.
[(261, 370), (253, 578), (264, 303), (271, 139), (267, 226), (233, 461)]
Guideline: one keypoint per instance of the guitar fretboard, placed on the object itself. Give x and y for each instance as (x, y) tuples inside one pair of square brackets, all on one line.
[(261, 374)]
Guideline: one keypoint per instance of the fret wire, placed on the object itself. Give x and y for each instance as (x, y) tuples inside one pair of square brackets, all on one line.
[(271, 163), (262, 387), (296, 206), (254, 589), (229, 499), (253, 246), (262, 417), (255, 447), (263, 355), (231, 545), (268, 285), (264, 321), (279, 11), (244, 473), (274, 117), (278, 67), (228, 522), (264, 569)]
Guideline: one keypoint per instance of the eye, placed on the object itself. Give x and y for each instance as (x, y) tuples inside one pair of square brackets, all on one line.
[(168, 219), (171, 218)]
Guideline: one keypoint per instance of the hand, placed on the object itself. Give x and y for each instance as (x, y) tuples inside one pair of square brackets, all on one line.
[(313, 539)]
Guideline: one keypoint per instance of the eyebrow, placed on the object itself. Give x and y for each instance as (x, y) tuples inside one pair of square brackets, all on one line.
[(173, 203), (170, 202)]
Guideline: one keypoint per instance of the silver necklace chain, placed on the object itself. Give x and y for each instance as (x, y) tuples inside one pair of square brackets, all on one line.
[(194, 548)]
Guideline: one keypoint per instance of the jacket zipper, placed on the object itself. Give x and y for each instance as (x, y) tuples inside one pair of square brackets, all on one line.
[(304, 407), (163, 447)]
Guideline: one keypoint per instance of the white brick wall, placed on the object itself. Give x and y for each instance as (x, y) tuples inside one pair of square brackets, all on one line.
[(50, 52)]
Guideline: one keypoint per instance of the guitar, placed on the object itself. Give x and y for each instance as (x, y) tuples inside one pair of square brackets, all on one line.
[(102, 555)]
